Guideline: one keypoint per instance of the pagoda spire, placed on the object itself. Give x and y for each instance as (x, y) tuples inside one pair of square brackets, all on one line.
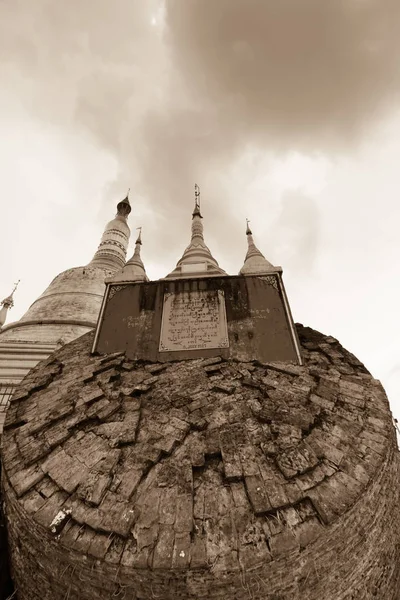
[(6, 305), (255, 262), (197, 260), (134, 269), (196, 211), (124, 207), (111, 253)]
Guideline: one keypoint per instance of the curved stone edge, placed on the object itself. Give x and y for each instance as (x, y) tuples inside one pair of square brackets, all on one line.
[(364, 548)]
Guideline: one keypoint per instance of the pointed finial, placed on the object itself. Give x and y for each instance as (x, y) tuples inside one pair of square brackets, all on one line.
[(139, 237), (248, 230), (124, 207), (197, 201), (9, 301), (6, 304), (15, 286)]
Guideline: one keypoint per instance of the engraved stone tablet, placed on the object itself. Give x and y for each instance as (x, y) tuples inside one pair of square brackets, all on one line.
[(193, 321)]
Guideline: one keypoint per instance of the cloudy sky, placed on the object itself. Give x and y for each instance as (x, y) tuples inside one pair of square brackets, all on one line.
[(284, 112)]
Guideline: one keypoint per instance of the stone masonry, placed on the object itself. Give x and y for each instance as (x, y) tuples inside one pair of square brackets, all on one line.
[(202, 479)]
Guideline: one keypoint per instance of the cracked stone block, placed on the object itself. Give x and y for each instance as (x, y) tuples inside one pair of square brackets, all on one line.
[(295, 461)]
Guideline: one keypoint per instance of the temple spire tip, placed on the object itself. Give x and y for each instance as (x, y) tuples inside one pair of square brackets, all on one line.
[(10, 300), (197, 259), (124, 206), (255, 262), (6, 304), (134, 269), (196, 211)]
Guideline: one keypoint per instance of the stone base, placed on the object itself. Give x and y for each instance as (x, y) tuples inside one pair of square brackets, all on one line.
[(202, 479)]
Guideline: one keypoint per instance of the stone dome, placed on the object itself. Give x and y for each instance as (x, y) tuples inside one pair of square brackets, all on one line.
[(68, 308), (202, 479)]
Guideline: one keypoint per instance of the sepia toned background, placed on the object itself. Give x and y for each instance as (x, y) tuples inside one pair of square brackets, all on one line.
[(286, 113)]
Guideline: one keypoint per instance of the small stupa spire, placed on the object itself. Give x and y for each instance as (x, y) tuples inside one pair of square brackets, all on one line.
[(197, 225), (134, 269), (197, 260), (255, 262), (7, 304)]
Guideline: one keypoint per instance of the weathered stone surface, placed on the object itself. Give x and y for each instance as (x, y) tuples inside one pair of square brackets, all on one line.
[(203, 479)]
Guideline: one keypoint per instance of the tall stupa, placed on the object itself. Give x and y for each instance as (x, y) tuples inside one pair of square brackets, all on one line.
[(68, 308)]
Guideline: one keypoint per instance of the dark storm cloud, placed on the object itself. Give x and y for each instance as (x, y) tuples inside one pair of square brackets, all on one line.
[(181, 103), (90, 57), (295, 72), (306, 75)]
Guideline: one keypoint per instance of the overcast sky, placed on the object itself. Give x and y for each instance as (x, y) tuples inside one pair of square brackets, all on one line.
[(284, 112)]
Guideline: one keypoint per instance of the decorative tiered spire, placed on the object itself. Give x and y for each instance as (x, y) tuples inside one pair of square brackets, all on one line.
[(134, 269), (255, 262), (111, 253), (7, 304), (197, 259)]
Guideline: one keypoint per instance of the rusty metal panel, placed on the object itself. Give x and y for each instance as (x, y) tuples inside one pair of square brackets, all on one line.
[(253, 316)]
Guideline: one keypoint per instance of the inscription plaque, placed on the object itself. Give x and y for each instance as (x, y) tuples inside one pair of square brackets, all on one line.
[(193, 321)]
